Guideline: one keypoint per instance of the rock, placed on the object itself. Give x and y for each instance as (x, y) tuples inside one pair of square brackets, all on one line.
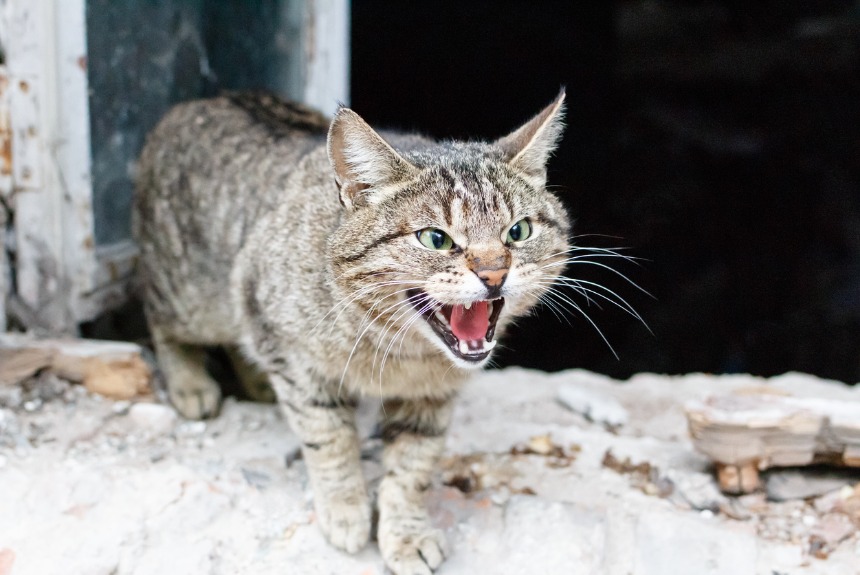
[(10, 428), (783, 485), (256, 479), (675, 544), (596, 407), (154, 418), (572, 537), (698, 490)]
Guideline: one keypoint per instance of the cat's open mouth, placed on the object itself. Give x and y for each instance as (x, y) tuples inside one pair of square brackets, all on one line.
[(468, 330)]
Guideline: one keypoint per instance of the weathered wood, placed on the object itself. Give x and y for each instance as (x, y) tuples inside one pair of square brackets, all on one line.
[(5, 185), (113, 369), (48, 111), (326, 56), (5, 136), (744, 434)]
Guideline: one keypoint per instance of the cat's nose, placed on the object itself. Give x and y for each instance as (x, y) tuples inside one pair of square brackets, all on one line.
[(493, 279), (491, 266)]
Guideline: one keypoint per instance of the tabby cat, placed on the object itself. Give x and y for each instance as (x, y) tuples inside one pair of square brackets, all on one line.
[(344, 263)]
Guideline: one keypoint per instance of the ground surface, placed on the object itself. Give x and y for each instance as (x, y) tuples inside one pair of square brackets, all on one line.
[(89, 486)]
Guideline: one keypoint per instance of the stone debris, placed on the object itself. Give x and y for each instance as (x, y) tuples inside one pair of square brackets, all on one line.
[(828, 532), (153, 418), (787, 484), (642, 475), (525, 486), (596, 407)]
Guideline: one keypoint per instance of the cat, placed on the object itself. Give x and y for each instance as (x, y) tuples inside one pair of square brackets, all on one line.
[(344, 263)]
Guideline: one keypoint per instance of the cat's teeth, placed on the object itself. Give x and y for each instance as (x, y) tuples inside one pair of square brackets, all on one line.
[(490, 345), (441, 317), (468, 305), (464, 347)]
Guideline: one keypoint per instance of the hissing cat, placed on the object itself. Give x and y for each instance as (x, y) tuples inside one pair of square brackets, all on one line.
[(345, 265)]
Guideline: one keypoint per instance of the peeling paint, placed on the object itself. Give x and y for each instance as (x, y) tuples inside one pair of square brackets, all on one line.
[(5, 136)]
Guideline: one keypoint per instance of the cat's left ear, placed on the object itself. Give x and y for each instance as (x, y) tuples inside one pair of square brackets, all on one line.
[(362, 161), (529, 147)]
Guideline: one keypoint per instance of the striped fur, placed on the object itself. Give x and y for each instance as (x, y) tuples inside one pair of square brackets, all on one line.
[(259, 230)]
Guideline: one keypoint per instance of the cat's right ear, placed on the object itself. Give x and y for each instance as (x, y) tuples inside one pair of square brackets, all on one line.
[(362, 161)]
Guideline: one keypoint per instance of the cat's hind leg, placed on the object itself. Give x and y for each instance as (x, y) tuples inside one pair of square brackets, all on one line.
[(191, 389), (413, 432)]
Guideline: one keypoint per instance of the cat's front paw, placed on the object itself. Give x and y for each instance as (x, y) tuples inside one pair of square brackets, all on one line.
[(345, 521), (195, 399), (416, 550)]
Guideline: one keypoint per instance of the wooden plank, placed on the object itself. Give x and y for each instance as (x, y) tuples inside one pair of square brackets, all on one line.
[(37, 224), (113, 369), (744, 434), (69, 151)]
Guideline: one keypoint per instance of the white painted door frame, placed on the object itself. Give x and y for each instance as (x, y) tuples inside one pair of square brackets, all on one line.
[(61, 276)]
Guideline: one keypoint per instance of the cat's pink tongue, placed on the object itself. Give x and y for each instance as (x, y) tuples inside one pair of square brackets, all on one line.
[(472, 323)]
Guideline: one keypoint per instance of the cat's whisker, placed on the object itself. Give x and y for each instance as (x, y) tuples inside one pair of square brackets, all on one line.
[(555, 310), (556, 261), (428, 305), (370, 311), (369, 289), (552, 293), (604, 266), (350, 298), (619, 302), (422, 299), (579, 285), (364, 331)]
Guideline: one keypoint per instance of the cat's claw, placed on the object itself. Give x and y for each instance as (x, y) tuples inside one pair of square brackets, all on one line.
[(346, 525), (414, 554)]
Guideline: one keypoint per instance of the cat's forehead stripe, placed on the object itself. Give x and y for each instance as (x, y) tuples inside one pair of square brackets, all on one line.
[(477, 190)]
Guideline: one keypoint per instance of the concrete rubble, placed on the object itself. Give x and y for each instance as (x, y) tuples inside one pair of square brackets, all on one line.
[(610, 485)]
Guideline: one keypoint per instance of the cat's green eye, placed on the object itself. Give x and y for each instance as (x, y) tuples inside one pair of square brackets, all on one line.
[(519, 231), (435, 239)]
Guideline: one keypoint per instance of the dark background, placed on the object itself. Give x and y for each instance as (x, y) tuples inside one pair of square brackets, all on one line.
[(720, 141)]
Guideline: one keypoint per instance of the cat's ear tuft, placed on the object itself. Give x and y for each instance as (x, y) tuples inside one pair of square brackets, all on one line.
[(529, 147), (362, 161)]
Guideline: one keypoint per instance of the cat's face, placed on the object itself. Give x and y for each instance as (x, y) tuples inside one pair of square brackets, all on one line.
[(457, 242)]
